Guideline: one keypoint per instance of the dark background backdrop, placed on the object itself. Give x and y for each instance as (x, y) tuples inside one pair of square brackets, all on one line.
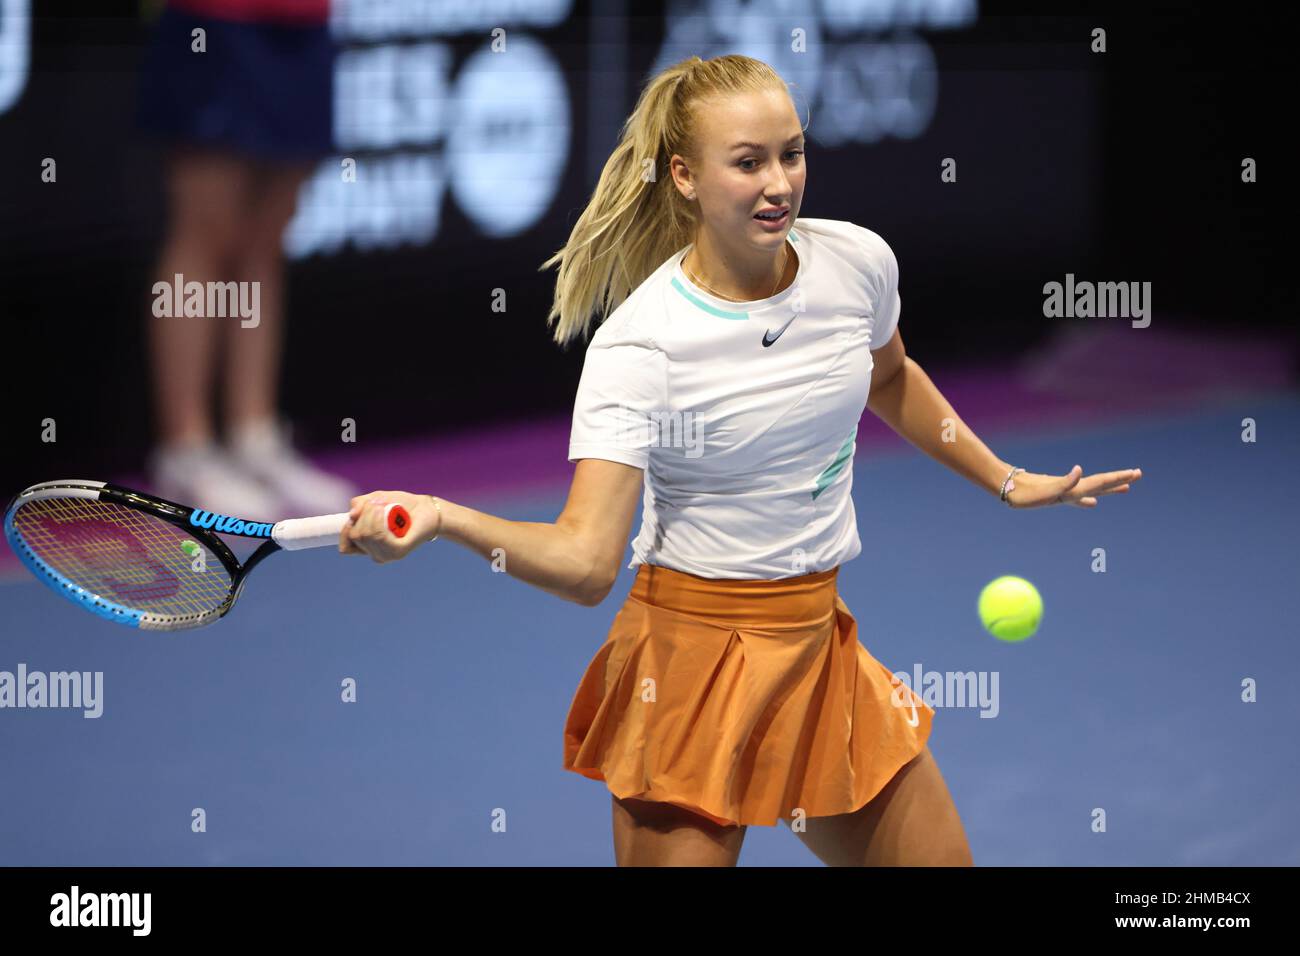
[(1122, 167)]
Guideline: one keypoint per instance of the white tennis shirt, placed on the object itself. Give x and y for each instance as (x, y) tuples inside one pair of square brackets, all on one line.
[(747, 447)]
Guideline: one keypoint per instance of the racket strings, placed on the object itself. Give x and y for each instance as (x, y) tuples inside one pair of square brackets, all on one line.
[(126, 556)]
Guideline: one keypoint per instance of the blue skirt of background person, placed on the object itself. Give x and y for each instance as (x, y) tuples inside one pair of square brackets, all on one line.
[(258, 81)]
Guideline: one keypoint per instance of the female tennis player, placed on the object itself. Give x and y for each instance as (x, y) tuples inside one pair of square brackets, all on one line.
[(741, 345)]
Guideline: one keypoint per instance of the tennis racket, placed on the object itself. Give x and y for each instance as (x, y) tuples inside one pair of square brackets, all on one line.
[(147, 562)]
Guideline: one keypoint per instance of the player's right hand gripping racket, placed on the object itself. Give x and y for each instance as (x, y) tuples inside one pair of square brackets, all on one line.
[(147, 562)]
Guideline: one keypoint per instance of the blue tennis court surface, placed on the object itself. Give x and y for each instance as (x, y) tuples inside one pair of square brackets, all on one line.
[(1127, 701)]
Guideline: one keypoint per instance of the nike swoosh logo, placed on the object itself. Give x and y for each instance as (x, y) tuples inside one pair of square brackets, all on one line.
[(769, 338)]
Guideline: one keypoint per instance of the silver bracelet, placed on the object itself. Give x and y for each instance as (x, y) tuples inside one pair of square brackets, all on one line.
[(439, 507), (1008, 484)]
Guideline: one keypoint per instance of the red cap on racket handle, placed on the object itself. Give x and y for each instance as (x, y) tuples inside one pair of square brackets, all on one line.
[(397, 519)]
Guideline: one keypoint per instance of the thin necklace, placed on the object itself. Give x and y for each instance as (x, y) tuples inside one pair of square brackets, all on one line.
[(781, 275)]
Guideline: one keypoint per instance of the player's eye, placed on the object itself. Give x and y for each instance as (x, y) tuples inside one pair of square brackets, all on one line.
[(791, 152)]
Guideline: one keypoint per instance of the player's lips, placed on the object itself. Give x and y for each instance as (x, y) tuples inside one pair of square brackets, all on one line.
[(773, 218)]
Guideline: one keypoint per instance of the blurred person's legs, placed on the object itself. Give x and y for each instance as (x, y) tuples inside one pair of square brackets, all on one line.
[(207, 192), (205, 195), (259, 440), (251, 372), (259, 98)]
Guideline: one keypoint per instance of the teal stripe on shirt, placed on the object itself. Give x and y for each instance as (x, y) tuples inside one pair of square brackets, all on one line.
[(835, 467)]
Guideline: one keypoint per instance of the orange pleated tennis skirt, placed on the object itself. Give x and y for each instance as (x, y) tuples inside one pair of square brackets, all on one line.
[(745, 701)]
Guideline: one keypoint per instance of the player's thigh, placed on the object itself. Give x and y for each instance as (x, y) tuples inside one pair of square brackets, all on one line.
[(648, 833), (911, 822)]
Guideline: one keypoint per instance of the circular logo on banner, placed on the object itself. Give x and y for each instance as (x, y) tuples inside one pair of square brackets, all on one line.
[(509, 137)]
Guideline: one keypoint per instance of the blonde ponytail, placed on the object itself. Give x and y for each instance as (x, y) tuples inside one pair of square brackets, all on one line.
[(637, 218)]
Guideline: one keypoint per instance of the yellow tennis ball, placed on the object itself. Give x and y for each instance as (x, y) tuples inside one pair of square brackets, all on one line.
[(1011, 608)]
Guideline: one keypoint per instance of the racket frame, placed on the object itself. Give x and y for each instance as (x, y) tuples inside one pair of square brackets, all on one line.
[(171, 512)]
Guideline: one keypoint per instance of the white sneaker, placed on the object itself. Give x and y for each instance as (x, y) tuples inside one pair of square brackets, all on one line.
[(263, 451), (203, 476)]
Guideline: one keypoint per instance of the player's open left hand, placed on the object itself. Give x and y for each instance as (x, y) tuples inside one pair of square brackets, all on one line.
[(367, 532), (1036, 491)]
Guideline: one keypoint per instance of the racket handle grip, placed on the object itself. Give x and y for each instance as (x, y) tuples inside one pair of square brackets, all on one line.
[(322, 531)]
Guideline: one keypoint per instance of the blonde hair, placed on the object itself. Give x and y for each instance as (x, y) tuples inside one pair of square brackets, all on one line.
[(637, 218)]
